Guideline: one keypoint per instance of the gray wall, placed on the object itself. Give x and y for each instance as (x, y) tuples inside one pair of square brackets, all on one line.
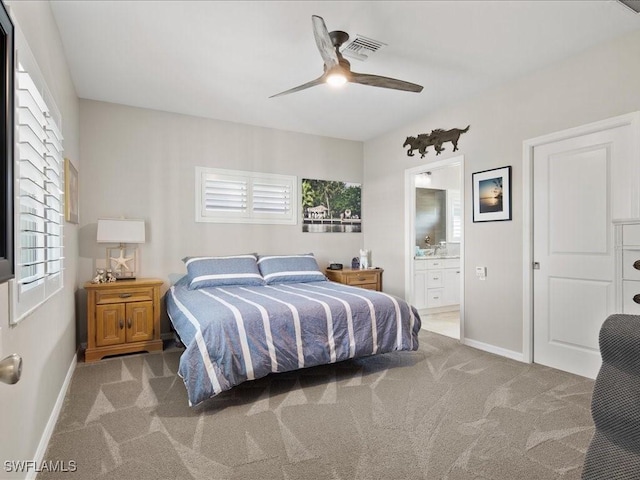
[(46, 338), (141, 163), (595, 85)]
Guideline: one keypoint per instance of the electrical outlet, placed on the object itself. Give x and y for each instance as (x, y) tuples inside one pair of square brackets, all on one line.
[(481, 273)]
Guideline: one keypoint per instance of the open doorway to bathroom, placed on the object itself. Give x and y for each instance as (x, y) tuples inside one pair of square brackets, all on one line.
[(434, 199)]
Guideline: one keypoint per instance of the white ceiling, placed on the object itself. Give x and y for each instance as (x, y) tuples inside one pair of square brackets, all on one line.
[(222, 59)]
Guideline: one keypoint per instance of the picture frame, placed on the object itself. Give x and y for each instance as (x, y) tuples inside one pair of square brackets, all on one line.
[(330, 206), (71, 194), (491, 194)]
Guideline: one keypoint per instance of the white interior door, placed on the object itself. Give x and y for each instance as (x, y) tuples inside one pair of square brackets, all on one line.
[(579, 185)]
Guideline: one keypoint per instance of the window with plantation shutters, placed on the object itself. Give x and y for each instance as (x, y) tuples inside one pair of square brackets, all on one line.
[(454, 216), (233, 196), (39, 198)]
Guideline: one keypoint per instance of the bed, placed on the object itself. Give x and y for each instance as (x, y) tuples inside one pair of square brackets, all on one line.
[(243, 317)]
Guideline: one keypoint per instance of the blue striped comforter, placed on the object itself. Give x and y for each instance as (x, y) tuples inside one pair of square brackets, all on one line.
[(233, 334)]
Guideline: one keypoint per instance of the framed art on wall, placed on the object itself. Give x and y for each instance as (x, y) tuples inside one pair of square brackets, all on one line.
[(331, 206), (492, 195), (71, 200)]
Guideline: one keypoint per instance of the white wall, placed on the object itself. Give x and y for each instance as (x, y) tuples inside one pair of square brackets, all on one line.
[(140, 163), (445, 178), (597, 84), (46, 339)]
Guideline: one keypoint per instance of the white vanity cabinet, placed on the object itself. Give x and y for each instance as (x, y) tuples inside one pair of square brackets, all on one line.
[(436, 282), (451, 285)]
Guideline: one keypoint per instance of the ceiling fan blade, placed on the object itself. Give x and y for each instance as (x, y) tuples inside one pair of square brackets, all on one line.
[(310, 84), (384, 82), (324, 43)]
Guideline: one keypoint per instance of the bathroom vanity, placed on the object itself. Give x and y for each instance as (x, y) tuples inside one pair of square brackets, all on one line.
[(436, 282)]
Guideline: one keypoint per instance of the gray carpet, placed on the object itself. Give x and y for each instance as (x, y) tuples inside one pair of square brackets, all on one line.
[(444, 412)]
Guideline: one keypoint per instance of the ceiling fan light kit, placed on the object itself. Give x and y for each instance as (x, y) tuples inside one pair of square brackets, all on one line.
[(337, 69), (336, 79)]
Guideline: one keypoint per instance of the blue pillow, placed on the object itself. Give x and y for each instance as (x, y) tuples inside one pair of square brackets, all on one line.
[(290, 269), (219, 271)]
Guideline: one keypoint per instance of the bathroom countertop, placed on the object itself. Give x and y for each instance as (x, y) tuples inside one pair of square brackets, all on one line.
[(430, 257)]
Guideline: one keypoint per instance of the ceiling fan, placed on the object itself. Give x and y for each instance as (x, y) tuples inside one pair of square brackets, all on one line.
[(337, 70)]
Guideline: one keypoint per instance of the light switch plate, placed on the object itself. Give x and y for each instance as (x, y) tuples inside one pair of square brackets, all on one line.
[(481, 273)]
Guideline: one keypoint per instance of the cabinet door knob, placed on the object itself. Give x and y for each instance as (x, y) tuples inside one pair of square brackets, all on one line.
[(121, 324), (636, 264), (125, 295), (128, 323), (636, 298)]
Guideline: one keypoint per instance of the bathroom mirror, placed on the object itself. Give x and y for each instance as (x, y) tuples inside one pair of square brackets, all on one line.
[(431, 217)]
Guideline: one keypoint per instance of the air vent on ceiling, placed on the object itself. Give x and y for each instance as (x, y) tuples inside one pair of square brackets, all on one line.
[(632, 4), (361, 48)]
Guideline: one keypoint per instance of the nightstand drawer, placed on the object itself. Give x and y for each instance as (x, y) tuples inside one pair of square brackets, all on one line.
[(369, 279), (631, 264), (124, 295), (631, 297), (362, 278)]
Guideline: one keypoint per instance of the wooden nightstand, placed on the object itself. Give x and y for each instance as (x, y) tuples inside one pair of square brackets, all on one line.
[(370, 278), (122, 317)]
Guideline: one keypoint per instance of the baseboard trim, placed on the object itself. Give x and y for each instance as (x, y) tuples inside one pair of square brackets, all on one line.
[(503, 352), (53, 419)]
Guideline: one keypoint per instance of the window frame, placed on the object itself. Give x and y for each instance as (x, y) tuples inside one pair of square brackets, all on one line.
[(454, 216), (249, 214), (7, 126), (25, 300)]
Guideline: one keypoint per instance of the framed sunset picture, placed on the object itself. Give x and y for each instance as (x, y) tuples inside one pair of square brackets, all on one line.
[(492, 195)]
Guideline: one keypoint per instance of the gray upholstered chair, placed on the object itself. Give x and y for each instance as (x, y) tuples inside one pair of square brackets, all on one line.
[(614, 451)]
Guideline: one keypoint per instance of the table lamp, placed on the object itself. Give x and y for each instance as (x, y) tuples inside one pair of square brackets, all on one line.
[(122, 260)]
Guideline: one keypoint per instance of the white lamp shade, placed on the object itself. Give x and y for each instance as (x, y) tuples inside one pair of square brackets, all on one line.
[(120, 230)]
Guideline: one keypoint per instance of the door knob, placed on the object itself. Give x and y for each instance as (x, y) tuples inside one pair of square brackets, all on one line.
[(11, 369)]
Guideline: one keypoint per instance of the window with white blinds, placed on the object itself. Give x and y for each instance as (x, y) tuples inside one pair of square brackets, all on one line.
[(454, 216), (233, 196), (39, 199)]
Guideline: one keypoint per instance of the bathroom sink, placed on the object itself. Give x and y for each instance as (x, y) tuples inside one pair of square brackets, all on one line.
[(427, 257)]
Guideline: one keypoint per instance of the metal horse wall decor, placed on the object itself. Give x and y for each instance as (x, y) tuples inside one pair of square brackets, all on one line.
[(436, 138)]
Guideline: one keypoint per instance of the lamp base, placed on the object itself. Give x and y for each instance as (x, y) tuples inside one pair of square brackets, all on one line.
[(123, 262)]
